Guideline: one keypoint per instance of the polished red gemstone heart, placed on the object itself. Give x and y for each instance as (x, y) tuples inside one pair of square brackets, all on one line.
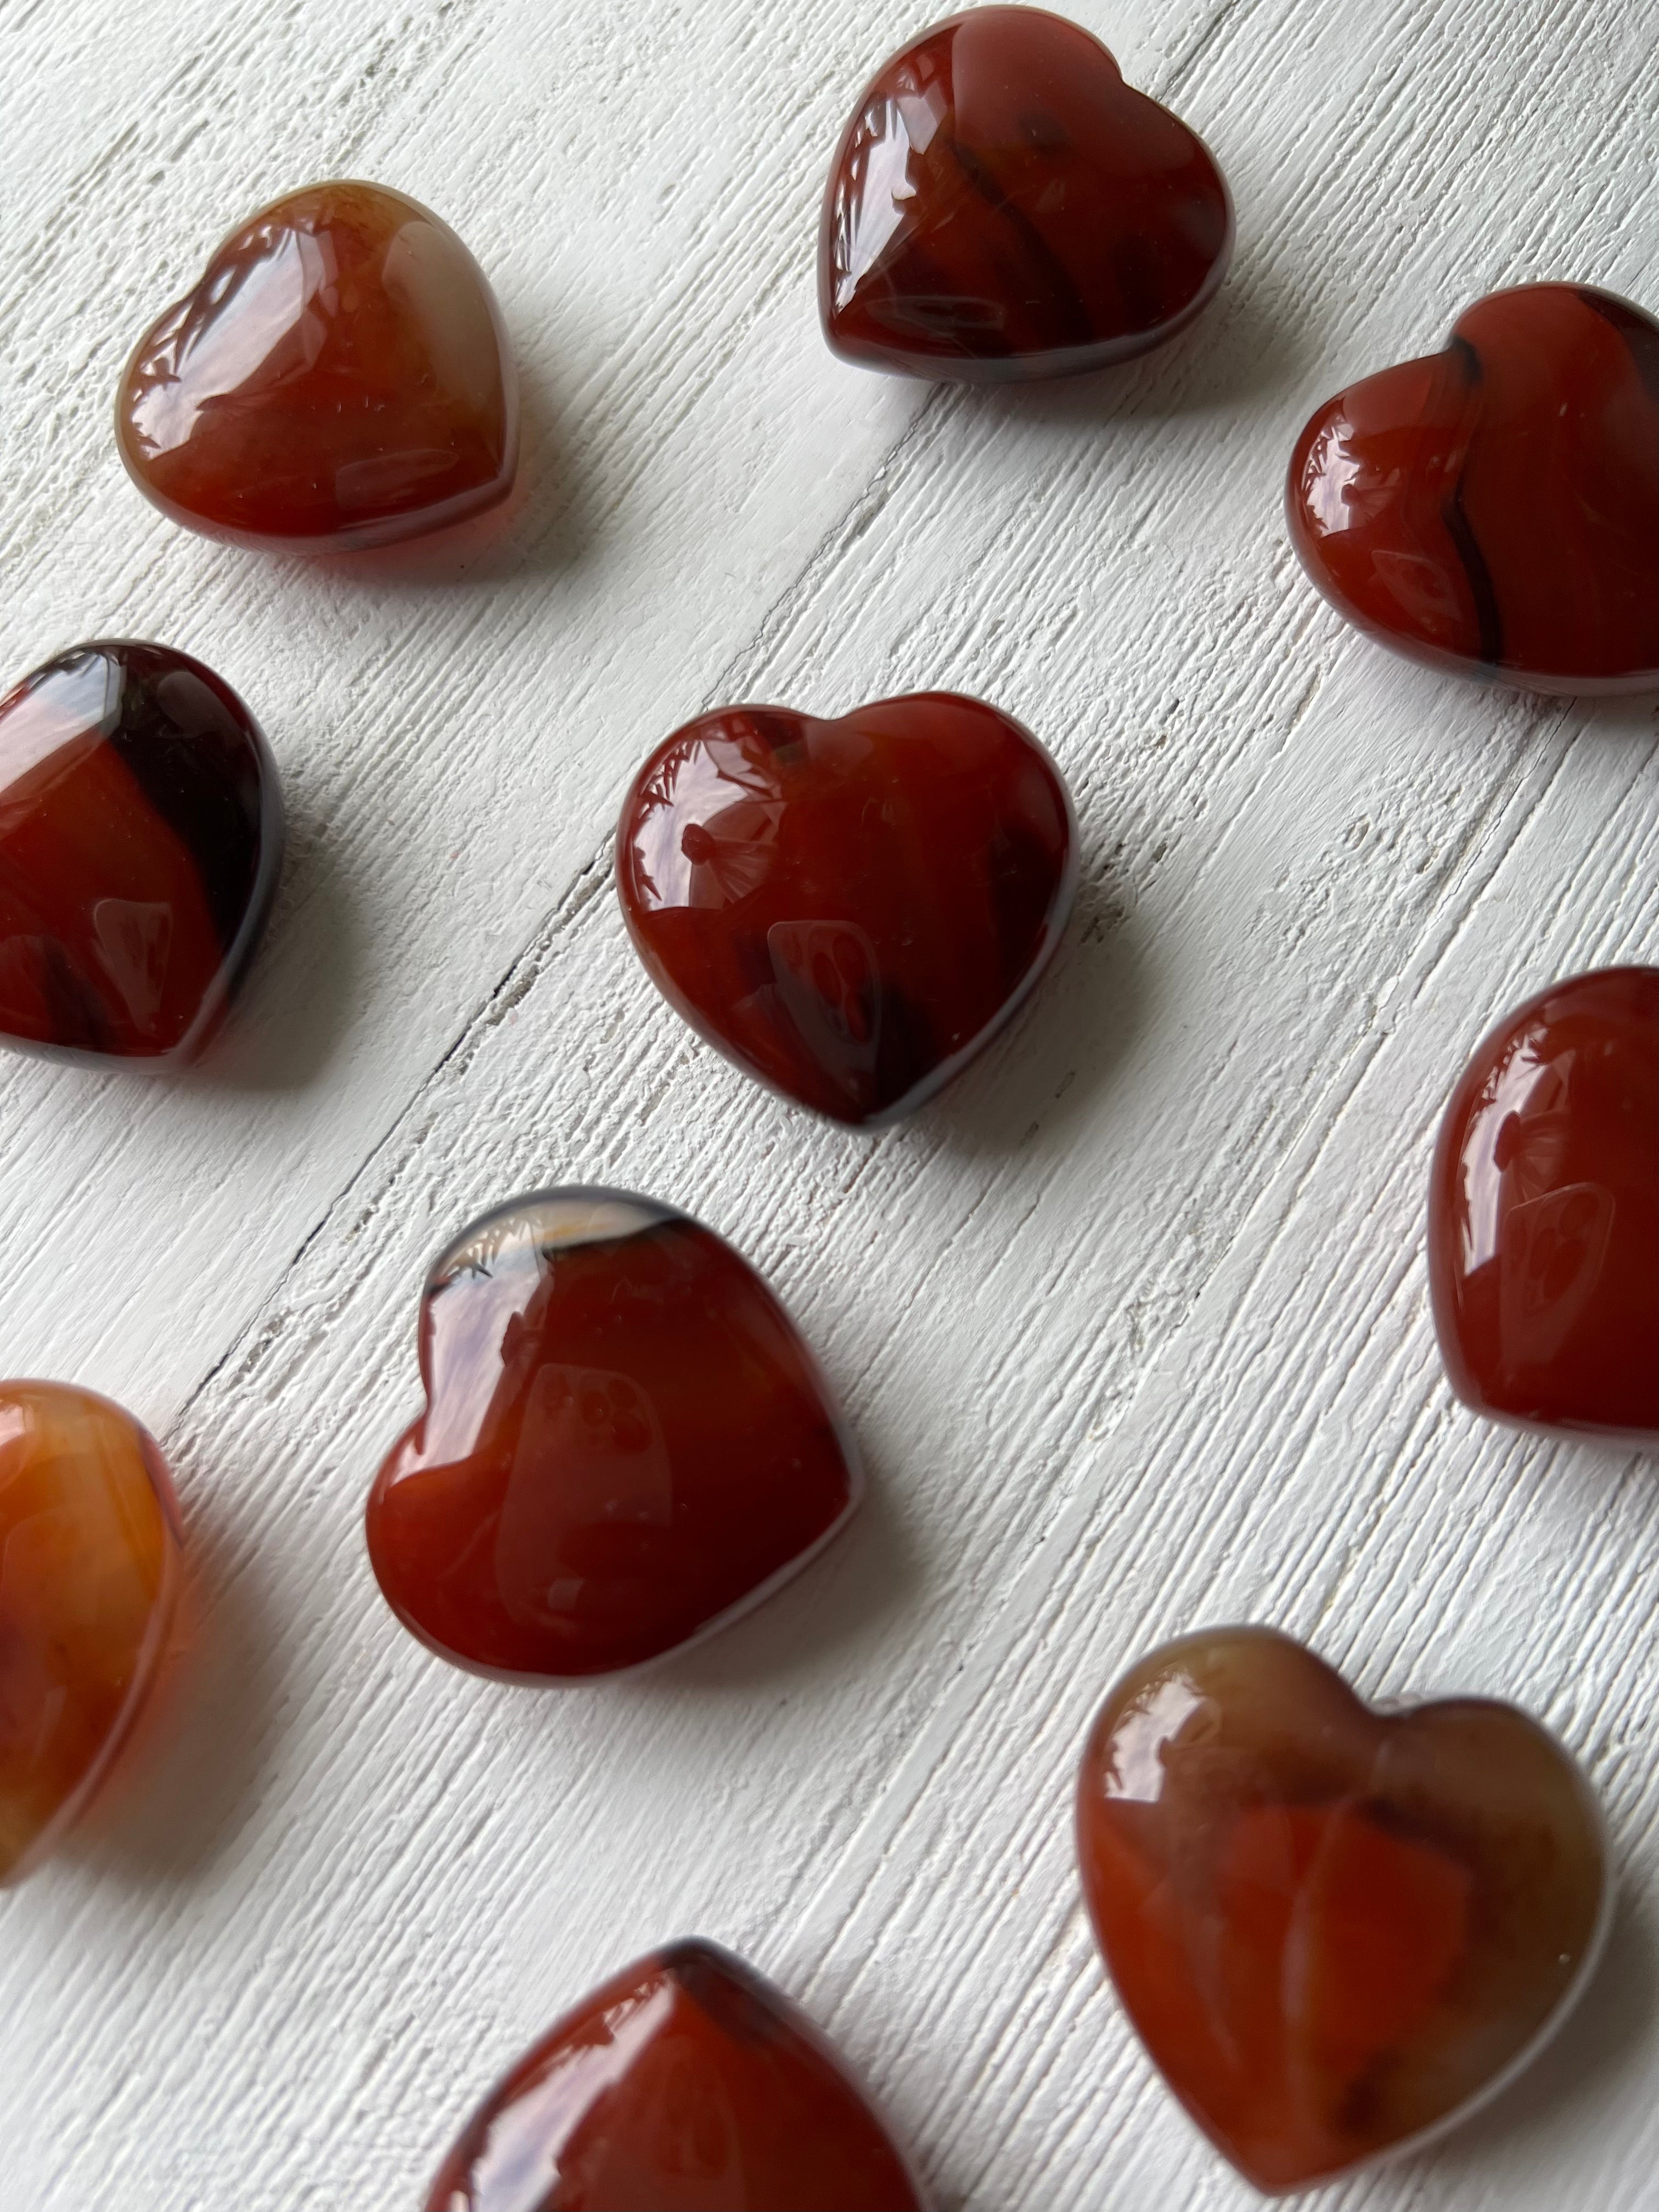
[(1002, 205), (1544, 1212), (338, 377), (1334, 1929), (849, 910), (90, 1582), (625, 1442), (1494, 509), (141, 832), (684, 2084)]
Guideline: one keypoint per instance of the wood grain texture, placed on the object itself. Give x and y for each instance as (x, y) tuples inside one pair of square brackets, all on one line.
[(1133, 1324)]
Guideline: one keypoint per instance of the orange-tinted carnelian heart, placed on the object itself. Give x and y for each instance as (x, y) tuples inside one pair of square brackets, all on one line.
[(1544, 1212), (1494, 509), (89, 1579), (684, 2084), (849, 910), (338, 377), (625, 1444), (1003, 206), (1335, 1929)]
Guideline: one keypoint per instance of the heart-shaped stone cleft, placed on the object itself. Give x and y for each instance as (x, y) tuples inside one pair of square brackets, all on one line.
[(338, 377), (1493, 510), (1544, 1213), (849, 910), (686, 2083), (1336, 1930), (626, 1443), (89, 1537), (1002, 206), (141, 838)]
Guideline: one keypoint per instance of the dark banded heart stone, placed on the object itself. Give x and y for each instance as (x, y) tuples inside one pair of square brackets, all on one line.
[(1493, 509), (683, 2084), (1003, 206), (848, 910), (337, 378), (141, 832), (1335, 1929), (625, 1445), (1544, 1212)]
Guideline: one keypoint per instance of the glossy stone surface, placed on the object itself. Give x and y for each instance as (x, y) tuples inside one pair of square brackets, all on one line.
[(625, 1442), (1003, 206), (1334, 1929), (684, 2084), (848, 910), (337, 378), (141, 834), (89, 1578), (1493, 509), (1544, 1212)]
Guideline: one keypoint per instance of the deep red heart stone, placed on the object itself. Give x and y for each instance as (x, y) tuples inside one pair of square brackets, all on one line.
[(141, 834), (1544, 1212), (848, 910), (625, 1442), (337, 378), (1334, 1929), (684, 2084), (1003, 206), (1494, 509)]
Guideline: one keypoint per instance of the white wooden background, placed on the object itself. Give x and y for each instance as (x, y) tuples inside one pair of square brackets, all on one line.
[(1133, 1325)]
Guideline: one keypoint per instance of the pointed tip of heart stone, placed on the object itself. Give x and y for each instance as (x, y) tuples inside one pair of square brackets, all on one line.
[(89, 1535), (687, 2083), (1543, 1227), (848, 910), (337, 379), (1493, 510), (141, 838), (1335, 1929), (626, 1443), (1002, 206)]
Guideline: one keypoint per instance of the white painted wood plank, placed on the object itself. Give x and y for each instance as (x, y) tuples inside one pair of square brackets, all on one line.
[(1132, 1324)]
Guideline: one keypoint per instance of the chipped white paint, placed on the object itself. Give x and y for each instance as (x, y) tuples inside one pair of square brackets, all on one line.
[(1132, 1324)]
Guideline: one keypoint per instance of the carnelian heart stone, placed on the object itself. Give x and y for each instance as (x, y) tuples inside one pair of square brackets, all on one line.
[(141, 836), (1544, 1212), (685, 2084), (625, 1442), (338, 377), (1494, 509), (91, 1576), (849, 910), (1003, 206), (1334, 1929)]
